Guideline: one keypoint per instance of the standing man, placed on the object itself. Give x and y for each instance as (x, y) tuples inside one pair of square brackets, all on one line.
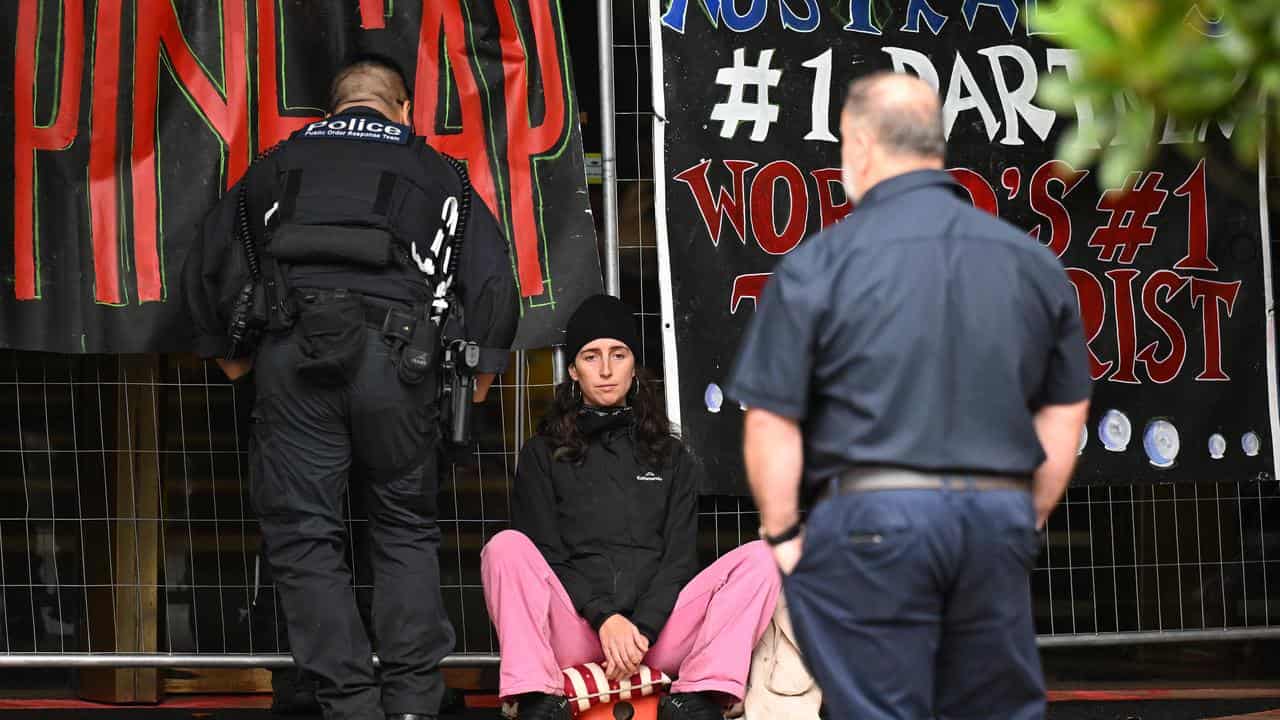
[(919, 369), (359, 254)]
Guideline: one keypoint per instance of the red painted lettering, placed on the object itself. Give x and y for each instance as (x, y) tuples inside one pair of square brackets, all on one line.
[(763, 221), (443, 36), (1209, 294), (1093, 312), (747, 287), (273, 127), (829, 211), (30, 137), (373, 14), (980, 192), (228, 116), (715, 208), (526, 143), (1049, 207), (1126, 325), (1194, 191), (1166, 369), (104, 193)]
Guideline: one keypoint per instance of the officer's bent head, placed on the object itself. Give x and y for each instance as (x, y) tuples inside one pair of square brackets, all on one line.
[(373, 81)]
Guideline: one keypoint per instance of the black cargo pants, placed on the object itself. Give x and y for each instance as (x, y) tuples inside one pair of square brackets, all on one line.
[(305, 440)]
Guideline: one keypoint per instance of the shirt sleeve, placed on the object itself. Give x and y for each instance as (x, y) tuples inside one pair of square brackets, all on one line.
[(1067, 379), (774, 367), (679, 553), (533, 512), (488, 291)]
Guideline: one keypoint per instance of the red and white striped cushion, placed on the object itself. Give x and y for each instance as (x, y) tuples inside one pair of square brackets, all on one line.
[(586, 685)]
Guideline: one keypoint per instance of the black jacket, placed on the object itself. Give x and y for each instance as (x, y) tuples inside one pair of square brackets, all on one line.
[(324, 176), (621, 536)]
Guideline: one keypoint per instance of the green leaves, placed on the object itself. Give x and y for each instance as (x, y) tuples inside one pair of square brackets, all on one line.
[(1145, 61)]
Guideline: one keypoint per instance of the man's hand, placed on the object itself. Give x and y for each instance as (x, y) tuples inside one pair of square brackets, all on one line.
[(1058, 428), (624, 647), (788, 554), (235, 369)]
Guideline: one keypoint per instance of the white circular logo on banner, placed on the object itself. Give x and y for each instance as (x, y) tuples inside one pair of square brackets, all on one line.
[(1251, 444), (1217, 446), (1161, 443), (1115, 431), (714, 397)]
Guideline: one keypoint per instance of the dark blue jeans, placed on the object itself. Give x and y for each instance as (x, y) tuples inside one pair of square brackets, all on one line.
[(916, 604)]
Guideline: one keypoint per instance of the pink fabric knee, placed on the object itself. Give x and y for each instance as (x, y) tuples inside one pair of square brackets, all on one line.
[(706, 643), (718, 619), (539, 631)]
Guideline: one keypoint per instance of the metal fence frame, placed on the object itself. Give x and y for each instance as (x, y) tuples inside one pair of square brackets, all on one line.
[(609, 112)]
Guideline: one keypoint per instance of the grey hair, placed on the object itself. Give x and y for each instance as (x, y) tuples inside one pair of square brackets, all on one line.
[(904, 123)]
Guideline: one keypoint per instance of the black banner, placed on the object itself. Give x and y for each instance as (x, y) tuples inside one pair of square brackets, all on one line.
[(1170, 269), (128, 119)]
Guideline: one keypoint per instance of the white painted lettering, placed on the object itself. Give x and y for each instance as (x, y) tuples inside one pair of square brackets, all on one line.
[(956, 102), (1018, 101)]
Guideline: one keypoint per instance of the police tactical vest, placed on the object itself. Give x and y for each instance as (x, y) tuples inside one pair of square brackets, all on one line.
[(361, 207)]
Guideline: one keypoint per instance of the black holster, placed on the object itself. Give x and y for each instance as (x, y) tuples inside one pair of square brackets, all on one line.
[(458, 387)]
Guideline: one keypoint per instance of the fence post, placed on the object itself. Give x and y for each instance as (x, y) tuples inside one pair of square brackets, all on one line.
[(125, 617)]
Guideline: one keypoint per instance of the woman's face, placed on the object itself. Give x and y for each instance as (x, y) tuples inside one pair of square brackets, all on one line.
[(604, 369)]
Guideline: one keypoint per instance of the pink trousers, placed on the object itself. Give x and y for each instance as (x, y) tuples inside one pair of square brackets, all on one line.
[(706, 643)]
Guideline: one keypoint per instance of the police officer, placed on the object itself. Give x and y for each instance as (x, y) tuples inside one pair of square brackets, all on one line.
[(920, 367), (357, 252)]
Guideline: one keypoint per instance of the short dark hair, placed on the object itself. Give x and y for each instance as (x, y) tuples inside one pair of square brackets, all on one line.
[(369, 76), (904, 124)]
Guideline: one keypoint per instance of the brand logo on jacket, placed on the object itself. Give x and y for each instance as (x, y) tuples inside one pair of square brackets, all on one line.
[(649, 477)]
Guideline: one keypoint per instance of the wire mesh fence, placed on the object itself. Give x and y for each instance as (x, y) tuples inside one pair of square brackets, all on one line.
[(125, 525)]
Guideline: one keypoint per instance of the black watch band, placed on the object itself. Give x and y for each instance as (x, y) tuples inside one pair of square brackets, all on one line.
[(787, 535)]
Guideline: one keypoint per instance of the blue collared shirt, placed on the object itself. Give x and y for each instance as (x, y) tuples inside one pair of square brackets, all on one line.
[(919, 333)]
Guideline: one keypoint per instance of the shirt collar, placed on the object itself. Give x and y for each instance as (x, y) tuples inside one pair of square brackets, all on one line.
[(907, 182)]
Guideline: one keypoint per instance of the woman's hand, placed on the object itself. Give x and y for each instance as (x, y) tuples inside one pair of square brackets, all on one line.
[(624, 647)]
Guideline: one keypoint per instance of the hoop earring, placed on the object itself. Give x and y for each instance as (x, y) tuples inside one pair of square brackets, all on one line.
[(575, 391)]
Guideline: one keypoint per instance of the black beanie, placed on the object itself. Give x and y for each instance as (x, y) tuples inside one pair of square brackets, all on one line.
[(600, 316)]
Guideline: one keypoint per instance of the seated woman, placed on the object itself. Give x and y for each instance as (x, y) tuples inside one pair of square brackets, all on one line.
[(602, 563)]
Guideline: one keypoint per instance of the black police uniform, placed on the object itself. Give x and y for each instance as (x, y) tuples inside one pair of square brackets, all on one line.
[(352, 219), (914, 342)]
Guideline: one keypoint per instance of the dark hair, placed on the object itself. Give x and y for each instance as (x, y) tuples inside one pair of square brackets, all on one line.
[(369, 76), (654, 440), (910, 126)]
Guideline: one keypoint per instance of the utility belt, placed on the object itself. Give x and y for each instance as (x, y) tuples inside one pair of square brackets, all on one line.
[(393, 320)]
